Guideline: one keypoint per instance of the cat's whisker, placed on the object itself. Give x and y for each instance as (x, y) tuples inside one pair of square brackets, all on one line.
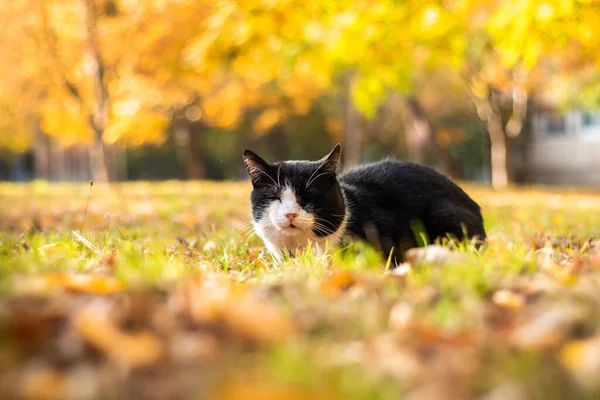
[(321, 220), (275, 186), (323, 229), (247, 237), (313, 174), (278, 171), (243, 230), (314, 179)]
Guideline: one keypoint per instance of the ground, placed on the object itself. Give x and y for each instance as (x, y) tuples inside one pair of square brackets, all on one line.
[(160, 291)]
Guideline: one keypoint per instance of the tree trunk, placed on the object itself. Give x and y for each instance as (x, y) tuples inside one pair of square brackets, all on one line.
[(197, 152), (421, 132), (416, 130), (352, 127), (189, 140), (498, 151), (42, 156), (443, 160), (278, 142), (98, 119), (98, 162)]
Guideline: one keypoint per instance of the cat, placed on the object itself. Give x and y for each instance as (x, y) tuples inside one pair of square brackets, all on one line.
[(390, 204)]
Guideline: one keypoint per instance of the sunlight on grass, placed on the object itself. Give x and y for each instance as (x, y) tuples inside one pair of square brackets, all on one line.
[(178, 265)]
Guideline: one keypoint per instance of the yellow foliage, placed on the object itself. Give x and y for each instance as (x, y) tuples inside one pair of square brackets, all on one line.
[(224, 108), (237, 55), (137, 128), (267, 119), (15, 133), (63, 118)]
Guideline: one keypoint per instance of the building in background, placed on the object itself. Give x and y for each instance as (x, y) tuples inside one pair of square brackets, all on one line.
[(565, 148)]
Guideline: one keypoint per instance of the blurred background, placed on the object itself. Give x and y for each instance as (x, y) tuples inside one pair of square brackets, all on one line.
[(486, 90)]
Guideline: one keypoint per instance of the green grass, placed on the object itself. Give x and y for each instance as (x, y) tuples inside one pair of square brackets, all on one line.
[(179, 291)]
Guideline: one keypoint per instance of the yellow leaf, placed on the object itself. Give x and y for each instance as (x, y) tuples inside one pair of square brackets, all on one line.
[(338, 283), (508, 299), (86, 283), (127, 349), (264, 390), (44, 384), (582, 359)]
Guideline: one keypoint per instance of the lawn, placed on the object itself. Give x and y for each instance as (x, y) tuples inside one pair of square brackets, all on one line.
[(160, 291)]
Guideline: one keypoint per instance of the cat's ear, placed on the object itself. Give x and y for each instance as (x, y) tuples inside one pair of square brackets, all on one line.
[(331, 161), (258, 169)]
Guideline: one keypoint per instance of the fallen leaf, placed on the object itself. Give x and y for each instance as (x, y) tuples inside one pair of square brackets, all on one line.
[(43, 384), (547, 328), (507, 390), (265, 390), (257, 319), (582, 359), (87, 283), (127, 349), (214, 300), (401, 316), (338, 283), (508, 299), (560, 273), (384, 353)]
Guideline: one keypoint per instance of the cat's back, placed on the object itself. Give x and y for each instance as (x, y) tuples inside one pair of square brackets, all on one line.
[(403, 181)]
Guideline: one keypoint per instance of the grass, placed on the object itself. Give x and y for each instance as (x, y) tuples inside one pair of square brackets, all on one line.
[(173, 298)]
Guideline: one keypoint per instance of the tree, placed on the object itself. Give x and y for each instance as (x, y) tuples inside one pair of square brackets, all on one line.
[(515, 48)]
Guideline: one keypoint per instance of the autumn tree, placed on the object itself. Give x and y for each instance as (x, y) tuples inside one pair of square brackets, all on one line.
[(76, 82), (515, 49)]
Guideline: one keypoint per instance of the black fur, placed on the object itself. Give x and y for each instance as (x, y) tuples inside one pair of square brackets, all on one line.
[(391, 201), (388, 202)]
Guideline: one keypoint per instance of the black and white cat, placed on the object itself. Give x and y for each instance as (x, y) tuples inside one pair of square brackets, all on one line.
[(295, 203)]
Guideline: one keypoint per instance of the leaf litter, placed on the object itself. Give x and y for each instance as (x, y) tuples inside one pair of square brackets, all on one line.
[(170, 298)]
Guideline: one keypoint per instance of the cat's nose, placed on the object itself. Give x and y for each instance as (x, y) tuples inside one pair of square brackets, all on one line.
[(291, 216)]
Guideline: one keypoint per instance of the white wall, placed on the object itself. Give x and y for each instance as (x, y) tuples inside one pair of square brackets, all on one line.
[(571, 157)]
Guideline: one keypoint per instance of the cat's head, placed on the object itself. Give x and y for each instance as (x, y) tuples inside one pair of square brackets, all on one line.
[(296, 198)]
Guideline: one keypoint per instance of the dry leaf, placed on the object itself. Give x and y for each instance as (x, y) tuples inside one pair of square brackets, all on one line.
[(401, 316), (547, 328), (582, 358), (263, 390), (43, 384), (560, 272), (212, 300), (384, 353), (87, 283), (257, 319), (127, 349), (338, 283), (507, 390), (508, 299)]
